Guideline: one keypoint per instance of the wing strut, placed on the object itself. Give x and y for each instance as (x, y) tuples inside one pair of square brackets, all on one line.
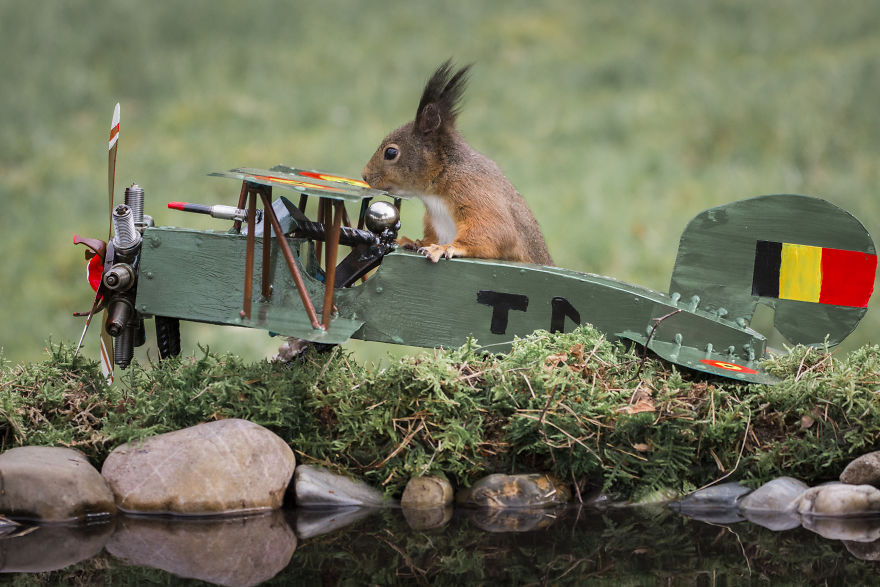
[(251, 191)]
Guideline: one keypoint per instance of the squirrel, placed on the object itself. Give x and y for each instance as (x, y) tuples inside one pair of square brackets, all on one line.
[(471, 208)]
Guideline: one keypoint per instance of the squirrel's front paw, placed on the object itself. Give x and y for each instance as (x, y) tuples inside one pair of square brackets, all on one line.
[(434, 252), (408, 243)]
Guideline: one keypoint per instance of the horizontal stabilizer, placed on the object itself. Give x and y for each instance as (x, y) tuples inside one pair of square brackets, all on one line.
[(708, 361), (713, 363)]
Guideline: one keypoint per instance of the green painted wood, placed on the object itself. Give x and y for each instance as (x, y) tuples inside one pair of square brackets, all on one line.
[(717, 252), (412, 301), (194, 275), (733, 367), (198, 276)]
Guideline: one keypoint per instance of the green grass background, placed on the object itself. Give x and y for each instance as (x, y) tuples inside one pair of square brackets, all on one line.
[(618, 121)]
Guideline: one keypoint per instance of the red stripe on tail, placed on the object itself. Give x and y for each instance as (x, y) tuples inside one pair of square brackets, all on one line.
[(847, 277)]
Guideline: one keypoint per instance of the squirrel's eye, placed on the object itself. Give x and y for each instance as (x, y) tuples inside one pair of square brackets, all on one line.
[(391, 153)]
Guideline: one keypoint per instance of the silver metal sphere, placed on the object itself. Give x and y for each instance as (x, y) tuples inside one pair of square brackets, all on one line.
[(381, 215)]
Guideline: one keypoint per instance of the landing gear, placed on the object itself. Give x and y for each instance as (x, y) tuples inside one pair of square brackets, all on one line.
[(167, 336)]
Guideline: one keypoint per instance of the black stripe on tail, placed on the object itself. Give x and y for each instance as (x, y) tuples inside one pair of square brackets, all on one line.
[(768, 259)]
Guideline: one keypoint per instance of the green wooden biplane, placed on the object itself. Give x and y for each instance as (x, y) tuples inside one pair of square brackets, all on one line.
[(278, 270)]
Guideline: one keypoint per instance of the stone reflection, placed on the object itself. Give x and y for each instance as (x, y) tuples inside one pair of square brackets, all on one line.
[(866, 551), (513, 519), (849, 529), (47, 548), (428, 518), (227, 551), (311, 522), (776, 521)]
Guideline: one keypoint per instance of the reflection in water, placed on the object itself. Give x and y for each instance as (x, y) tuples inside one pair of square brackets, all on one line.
[(514, 520), (226, 551), (311, 522), (389, 546), (573, 546), (777, 521), (428, 518), (851, 529), (51, 547)]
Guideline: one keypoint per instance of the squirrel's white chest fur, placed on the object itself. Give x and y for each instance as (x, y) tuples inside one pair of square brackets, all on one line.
[(440, 217)]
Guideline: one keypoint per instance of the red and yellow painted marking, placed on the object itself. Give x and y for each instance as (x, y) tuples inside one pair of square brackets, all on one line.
[(335, 178), (728, 366), (293, 182), (313, 175)]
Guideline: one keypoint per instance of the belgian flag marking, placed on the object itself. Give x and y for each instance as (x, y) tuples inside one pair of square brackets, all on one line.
[(813, 274)]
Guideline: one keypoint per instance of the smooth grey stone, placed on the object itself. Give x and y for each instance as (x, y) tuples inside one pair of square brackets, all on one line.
[(717, 496), (865, 470), (318, 487), (499, 491), (714, 505), (427, 492), (776, 496), (244, 550), (839, 500), (223, 467), (52, 484)]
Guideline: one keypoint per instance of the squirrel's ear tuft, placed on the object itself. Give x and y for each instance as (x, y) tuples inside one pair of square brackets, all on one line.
[(440, 100)]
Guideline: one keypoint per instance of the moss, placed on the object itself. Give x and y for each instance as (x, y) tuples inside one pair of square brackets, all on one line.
[(573, 404)]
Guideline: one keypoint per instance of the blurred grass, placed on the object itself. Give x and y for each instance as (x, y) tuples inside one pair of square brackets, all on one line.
[(619, 121)]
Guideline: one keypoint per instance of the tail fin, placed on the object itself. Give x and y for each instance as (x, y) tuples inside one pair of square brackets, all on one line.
[(811, 261)]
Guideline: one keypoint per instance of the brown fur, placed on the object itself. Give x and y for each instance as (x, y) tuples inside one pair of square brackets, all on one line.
[(457, 184)]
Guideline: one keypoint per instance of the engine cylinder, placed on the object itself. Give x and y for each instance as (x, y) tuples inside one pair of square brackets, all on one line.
[(134, 199), (127, 236)]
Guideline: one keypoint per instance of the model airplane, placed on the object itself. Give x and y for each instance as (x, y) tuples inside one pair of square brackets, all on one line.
[(811, 261)]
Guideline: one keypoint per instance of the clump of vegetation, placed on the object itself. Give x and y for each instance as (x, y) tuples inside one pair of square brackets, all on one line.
[(588, 410)]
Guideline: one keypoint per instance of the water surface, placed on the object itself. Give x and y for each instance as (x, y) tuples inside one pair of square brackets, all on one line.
[(572, 545)]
